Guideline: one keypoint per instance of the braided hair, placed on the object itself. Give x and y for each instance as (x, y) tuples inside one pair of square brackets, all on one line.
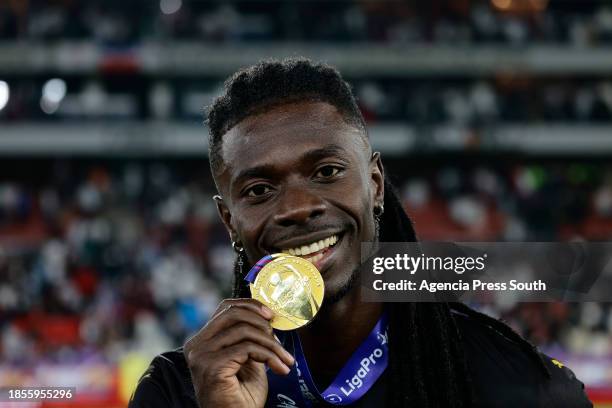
[(428, 367)]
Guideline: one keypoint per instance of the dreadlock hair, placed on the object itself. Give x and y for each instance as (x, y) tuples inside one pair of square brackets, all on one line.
[(427, 367)]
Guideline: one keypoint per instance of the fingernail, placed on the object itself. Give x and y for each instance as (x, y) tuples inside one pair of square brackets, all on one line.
[(288, 370), (267, 312)]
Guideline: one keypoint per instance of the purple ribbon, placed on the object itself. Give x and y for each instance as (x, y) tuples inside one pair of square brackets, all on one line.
[(250, 277), (364, 368)]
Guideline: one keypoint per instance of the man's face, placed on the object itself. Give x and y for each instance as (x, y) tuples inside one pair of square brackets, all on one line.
[(299, 179)]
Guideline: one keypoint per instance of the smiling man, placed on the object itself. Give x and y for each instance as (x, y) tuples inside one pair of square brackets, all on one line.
[(295, 173)]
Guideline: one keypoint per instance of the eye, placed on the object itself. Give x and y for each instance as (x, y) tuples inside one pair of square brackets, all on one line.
[(258, 190), (328, 171)]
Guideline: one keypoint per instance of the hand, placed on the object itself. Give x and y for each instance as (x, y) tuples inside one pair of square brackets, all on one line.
[(227, 356)]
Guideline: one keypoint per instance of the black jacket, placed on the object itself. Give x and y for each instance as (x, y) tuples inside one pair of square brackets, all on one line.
[(502, 375)]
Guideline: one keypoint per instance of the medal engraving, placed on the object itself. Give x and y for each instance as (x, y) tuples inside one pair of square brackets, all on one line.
[(292, 287)]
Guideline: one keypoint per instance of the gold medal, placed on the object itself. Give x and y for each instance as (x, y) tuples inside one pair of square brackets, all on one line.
[(292, 287)]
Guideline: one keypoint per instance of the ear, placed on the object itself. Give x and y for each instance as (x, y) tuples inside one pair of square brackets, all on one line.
[(377, 178), (226, 217)]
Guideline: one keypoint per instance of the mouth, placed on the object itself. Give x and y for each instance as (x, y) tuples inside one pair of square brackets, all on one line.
[(317, 252)]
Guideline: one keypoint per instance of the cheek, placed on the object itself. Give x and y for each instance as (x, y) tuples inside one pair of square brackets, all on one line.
[(356, 201), (366, 214), (368, 225), (249, 229)]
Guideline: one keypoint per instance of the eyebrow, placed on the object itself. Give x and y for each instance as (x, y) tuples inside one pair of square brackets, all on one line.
[(323, 152), (253, 172), (310, 156)]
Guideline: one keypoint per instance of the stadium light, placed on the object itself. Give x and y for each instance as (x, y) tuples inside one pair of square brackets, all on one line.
[(53, 93), (502, 4), (170, 6), (4, 94)]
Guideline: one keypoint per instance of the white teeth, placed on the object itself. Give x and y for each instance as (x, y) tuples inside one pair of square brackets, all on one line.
[(315, 258), (313, 247)]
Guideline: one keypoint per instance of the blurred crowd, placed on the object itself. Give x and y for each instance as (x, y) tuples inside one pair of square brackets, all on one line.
[(95, 266), (112, 22), (503, 99), (416, 101), (97, 260)]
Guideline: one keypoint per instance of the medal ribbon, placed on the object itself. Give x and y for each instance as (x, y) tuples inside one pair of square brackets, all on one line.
[(297, 389), (252, 274), (359, 374)]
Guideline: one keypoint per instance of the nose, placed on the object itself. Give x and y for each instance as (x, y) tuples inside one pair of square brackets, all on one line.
[(298, 206)]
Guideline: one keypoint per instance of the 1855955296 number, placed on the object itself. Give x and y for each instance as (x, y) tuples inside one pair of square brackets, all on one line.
[(32, 394)]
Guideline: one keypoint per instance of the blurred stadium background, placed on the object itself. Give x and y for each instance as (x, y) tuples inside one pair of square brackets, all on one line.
[(493, 117)]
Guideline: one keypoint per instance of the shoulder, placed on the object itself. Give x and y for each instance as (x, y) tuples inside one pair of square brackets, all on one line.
[(507, 371), (165, 383)]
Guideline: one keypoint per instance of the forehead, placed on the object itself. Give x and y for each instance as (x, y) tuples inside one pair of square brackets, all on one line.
[(287, 131)]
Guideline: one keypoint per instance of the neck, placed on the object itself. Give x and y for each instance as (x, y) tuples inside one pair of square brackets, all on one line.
[(338, 330)]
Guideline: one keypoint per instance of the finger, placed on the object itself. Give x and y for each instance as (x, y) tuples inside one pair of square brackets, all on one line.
[(248, 303), (245, 332), (242, 352), (223, 321), (233, 316)]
